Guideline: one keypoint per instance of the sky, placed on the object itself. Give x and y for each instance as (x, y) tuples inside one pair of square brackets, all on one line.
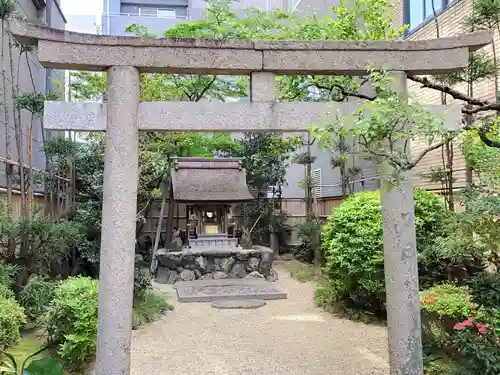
[(85, 7)]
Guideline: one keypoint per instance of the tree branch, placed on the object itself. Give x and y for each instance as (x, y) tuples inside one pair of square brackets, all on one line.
[(200, 95), (343, 91), (487, 107), (426, 83), (487, 141), (425, 152)]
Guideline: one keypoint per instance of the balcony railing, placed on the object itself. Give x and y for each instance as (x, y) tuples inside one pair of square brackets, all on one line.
[(116, 23)]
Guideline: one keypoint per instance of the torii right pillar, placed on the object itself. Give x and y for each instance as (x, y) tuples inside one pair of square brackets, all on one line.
[(400, 267)]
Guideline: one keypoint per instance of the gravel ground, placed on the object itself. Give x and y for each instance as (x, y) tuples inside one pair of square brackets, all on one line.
[(285, 337)]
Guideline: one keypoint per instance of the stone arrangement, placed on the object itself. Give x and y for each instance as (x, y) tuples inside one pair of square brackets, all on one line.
[(217, 263)]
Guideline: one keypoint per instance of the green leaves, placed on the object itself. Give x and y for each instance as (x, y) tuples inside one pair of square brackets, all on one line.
[(71, 318), (446, 301), (353, 245), (44, 366)]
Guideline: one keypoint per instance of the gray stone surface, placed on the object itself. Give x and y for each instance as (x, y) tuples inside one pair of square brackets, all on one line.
[(400, 267), (239, 304), (253, 264), (228, 289), (218, 275), (66, 50), (191, 116), (254, 275), (187, 275), (263, 87), (166, 276), (238, 271), (116, 275), (273, 276), (266, 261), (286, 337)]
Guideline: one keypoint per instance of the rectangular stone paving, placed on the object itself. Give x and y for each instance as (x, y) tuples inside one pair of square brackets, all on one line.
[(227, 289)]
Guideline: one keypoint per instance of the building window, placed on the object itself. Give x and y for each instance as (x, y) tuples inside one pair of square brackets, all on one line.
[(417, 12), (317, 181), (165, 13), (147, 12)]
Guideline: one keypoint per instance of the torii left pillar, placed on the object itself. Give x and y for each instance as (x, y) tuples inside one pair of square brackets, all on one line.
[(116, 272)]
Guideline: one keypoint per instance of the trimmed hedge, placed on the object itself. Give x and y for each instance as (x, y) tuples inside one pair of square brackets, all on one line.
[(353, 245)]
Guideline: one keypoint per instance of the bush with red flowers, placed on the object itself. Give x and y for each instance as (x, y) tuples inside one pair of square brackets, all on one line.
[(467, 331)]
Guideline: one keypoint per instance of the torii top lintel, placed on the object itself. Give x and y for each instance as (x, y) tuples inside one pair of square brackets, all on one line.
[(59, 49)]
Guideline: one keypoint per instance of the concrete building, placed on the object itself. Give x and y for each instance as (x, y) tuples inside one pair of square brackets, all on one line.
[(159, 15), (28, 76), (422, 25)]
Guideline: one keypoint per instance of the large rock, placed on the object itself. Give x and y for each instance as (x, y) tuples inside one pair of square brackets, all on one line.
[(187, 275), (238, 271), (224, 264), (188, 260), (166, 276), (254, 275), (273, 276), (253, 264), (207, 276), (201, 263), (266, 260), (168, 260), (217, 275)]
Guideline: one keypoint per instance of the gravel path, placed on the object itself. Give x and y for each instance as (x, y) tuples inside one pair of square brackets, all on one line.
[(285, 337)]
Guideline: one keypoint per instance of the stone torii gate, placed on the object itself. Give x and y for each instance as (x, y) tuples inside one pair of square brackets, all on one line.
[(124, 58)]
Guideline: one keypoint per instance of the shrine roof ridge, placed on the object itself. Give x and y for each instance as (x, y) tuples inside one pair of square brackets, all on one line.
[(30, 33)]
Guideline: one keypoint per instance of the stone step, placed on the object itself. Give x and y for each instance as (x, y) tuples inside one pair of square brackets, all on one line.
[(228, 289)]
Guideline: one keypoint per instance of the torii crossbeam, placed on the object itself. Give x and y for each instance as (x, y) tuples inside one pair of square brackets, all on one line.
[(124, 58)]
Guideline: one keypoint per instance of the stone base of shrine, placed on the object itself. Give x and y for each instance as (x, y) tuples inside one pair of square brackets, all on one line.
[(217, 264)]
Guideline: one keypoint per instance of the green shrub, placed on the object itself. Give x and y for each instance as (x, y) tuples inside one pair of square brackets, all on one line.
[(6, 292), (11, 319), (446, 301), (309, 233), (71, 319), (148, 307), (36, 296), (353, 245), (486, 290), (142, 277), (8, 274)]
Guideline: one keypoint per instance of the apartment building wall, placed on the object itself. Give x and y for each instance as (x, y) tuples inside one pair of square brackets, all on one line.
[(450, 20), (328, 178), (28, 76), (118, 14)]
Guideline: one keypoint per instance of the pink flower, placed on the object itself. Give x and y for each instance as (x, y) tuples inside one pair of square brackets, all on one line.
[(468, 323), (461, 325), (482, 328)]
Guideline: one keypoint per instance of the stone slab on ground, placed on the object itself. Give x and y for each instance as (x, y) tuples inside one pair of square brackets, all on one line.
[(227, 289), (238, 304)]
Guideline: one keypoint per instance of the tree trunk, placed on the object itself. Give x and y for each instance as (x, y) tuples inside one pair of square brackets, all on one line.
[(308, 191), (469, 119), (18, 136), (170, 217), (8, 154), (30, 168)]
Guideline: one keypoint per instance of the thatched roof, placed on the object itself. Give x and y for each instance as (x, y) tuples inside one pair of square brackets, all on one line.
[(209, 180)]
